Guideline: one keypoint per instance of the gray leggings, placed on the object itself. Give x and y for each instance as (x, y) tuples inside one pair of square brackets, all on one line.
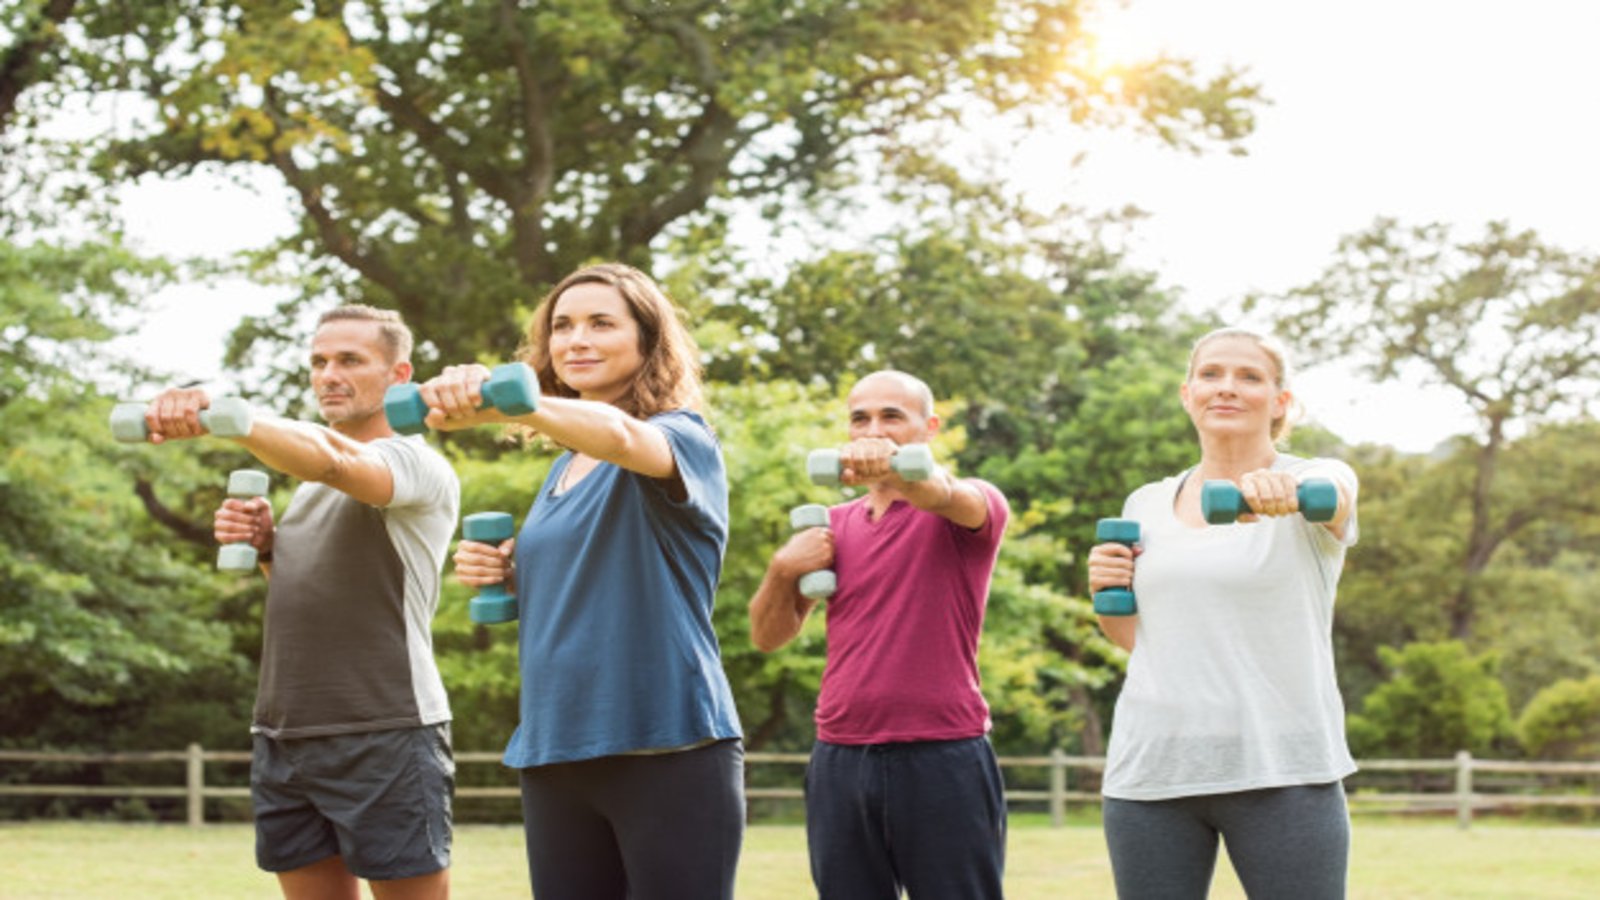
[(1289, 842)]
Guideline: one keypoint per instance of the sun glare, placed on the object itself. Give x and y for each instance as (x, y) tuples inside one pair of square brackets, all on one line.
[(1121, 35)]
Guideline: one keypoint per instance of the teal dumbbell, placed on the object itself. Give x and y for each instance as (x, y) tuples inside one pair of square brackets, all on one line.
[(1221, 502), (242, 484), (494, 604), (821, 584), (511, 388), (1116, 601), (913, 462), (227, 417)]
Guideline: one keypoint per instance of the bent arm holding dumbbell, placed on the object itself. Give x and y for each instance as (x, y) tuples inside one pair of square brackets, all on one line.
[(304, 450), (778, 610)]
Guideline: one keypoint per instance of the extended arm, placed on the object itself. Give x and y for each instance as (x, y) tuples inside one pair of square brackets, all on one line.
[(595, 429), (306, 451)]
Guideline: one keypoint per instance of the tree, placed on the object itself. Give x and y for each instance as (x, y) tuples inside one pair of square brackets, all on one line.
[(102, 620), (1563, 721), (1510, 323), (1440, 699), (453, 159)]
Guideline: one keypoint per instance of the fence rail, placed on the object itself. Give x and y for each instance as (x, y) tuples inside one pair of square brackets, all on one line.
[(1464, 798)]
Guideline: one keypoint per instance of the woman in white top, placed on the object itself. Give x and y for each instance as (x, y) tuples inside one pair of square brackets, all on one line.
[(1230, 722)]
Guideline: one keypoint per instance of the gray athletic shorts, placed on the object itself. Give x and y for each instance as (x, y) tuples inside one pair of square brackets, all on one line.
[(380, 799)]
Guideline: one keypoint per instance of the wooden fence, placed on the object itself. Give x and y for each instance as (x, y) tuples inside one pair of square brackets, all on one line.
[(1464, 799)]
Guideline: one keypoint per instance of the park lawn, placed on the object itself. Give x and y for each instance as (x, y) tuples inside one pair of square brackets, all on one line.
[(81, 861)]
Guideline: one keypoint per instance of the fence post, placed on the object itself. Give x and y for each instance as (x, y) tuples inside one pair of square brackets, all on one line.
[(1464, 789), (1058, 788), (196, 783)]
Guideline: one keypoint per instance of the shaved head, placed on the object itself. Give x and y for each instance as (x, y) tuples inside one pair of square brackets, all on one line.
[(910, 384)]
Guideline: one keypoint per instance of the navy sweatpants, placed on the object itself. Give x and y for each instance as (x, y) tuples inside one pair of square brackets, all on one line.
[(928, 817)]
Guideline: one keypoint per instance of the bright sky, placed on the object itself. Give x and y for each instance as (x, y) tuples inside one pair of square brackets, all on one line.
[(1460, 111)]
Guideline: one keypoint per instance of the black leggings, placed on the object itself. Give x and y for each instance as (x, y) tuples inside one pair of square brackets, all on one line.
[(1289, 842), (650, 827)]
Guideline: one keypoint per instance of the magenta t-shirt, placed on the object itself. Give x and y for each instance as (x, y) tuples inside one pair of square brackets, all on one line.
[(903, 626)]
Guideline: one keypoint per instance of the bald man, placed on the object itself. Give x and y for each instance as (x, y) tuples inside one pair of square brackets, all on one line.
[(903, 792)]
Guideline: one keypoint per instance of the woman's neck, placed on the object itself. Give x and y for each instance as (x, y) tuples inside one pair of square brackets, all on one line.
[(1226, 458)]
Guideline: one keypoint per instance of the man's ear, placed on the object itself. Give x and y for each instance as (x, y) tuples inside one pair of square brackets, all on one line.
[(400, 373)]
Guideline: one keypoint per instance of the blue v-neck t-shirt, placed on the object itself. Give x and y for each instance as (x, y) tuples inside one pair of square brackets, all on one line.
[(615, 583)]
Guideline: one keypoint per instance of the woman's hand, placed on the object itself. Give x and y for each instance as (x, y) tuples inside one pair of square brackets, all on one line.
[(454, 397), (1269, 492), (480, 565), (1110, 566)]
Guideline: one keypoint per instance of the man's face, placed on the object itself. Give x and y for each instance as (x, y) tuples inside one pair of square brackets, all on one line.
[(883, 406), (350, 370)]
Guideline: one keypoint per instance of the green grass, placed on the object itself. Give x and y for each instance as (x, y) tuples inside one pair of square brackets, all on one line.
[(1392, 861)]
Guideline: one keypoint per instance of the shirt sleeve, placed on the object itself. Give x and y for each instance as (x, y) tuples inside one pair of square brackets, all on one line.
[(421, 476), (994, 526), (1340, 473), (698, 457)]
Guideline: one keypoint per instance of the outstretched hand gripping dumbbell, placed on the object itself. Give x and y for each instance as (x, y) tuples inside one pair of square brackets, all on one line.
[(913, 462), (243, 484), (494, 604), (1221, 501), (226, 417), (821, 584), (511, 388), (1116, 601)]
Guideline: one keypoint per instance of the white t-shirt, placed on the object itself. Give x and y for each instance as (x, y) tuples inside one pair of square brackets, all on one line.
[(1231, 682)]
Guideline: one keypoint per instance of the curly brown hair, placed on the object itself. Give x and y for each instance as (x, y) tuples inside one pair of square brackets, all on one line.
[(670, 376)]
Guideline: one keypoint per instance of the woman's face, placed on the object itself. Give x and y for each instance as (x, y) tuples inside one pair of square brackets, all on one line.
[(1233, 389), (594, 341)]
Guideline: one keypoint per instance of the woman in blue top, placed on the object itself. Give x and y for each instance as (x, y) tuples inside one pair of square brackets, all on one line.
[(629, 745)]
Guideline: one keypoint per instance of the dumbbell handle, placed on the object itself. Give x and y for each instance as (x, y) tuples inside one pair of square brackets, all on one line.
[(241, 556), (821, 584), (226, 417), (493, 604), (913, 462), (1116, 601), (1221, 501), (511, 388)]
